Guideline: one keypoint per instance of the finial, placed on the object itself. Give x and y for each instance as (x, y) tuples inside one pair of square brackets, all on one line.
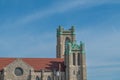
[(81, 42), (82, 46), (73, 28), (60, 28)]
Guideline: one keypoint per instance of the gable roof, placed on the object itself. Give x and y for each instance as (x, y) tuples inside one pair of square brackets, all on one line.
[(37, 63), (5, 61)]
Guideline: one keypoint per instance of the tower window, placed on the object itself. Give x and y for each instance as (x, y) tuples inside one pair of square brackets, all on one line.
[(78, 72), (37, 78), (49, 78), (74, 72), (73, 58), (67, 40), (78, 58)]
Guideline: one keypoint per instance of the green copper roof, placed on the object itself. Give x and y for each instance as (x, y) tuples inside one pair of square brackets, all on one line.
[(75, 46), (71, 46)]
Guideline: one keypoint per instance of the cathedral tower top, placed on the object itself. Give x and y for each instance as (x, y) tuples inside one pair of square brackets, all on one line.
[(64, 36)]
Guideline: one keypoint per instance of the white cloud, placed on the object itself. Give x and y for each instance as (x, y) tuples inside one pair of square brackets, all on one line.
[(57, 7)]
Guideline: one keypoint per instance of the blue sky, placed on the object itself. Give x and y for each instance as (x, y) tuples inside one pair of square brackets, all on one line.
[(28, 29)]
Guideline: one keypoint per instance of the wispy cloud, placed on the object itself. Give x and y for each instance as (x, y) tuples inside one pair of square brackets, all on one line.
[(102, 44), (57, 7), (39, 14)]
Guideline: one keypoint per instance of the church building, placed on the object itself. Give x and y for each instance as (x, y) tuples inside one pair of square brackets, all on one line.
[(69, 64)]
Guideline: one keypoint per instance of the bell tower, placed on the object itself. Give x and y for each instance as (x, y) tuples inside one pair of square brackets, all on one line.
[(75, 61), (64, 36)]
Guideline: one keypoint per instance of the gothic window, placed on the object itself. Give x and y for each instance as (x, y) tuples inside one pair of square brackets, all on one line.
[(78, 58), (37, 78), (73, 72), (49, 78), (78, 72), (18, 71), (67, 40), (73, 58)]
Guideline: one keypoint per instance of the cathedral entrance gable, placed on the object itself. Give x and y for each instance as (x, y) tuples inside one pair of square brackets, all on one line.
[(18, 70)]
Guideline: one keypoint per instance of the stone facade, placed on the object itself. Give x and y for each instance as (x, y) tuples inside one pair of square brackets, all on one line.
[(73, 56), (62, 37), (75, 62), (8, 73)]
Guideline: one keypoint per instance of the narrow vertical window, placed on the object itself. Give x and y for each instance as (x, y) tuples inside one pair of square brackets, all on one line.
[(37, 78), (73, 58), (78, 72), (78, 58), (67, 40), (74, 72), (49, 78)]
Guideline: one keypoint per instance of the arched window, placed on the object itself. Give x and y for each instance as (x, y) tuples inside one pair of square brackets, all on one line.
[(49, 78), (73, 58), (67, 40), (37, 78)]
